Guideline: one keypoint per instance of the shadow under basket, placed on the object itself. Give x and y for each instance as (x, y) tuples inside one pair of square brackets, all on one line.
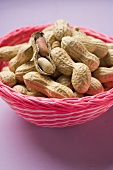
[(53, 112)]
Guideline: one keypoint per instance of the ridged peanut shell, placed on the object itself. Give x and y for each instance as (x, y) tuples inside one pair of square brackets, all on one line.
[(46, 85), (8, 78), (104, 74), (61, 29), (24, 54), (62, 60), (95, 87), (81, 77), (79, 53)]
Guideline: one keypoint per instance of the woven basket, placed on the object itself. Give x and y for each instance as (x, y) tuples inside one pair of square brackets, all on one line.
[(52, 112)]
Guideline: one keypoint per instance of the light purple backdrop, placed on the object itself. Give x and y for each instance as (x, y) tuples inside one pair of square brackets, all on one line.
[(24, 146)]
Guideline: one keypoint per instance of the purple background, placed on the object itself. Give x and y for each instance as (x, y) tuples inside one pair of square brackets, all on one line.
[(24, 146)]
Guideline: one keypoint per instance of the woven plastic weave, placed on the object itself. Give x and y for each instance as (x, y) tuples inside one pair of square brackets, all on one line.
[(51, 112)]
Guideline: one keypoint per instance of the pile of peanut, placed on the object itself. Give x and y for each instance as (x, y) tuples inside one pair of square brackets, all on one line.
[(59, 62)]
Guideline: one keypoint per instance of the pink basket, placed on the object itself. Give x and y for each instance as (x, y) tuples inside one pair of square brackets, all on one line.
[(52, 112)]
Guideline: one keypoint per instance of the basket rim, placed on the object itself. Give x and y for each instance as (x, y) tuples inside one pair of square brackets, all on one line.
[(101, 97)]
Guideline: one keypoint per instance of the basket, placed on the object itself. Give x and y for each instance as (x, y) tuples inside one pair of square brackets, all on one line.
[(53, 112)]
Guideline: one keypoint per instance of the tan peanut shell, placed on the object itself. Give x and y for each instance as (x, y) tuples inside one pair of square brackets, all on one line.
[(56, 44), (23, 69), (62, 60), (78, 95), (83, 38), (81, 77), (95, 87), (107, 61), (24, 54), (8, 52), (61, 29), (42, 63), (103, 74), (79, 53), (8, 78), (65, 80), (50, 37), (20, 88), (46, 85), (109, 45), (93, 45)]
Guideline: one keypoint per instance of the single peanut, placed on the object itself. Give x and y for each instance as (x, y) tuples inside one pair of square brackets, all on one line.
[(50, 37), (62, 60), (24, 54), (61, 29), (56, 44), (42, 45), (23, 69), (46, 85), (45, 65), (93, 45), (79, 53), (8, 78), (103, 74), (65, 80), (20, 88), (81, 77), (109, 45), (107, 61), (9, 52), (95, 87)]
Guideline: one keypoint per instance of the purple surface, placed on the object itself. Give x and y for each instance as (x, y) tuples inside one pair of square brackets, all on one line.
[(24, 146)]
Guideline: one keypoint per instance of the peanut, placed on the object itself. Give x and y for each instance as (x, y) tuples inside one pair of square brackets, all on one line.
[(109, 45), (79, 53), (20, 88), (65, 80), (8, 52), (95, 87), (50, 37), (56, 44), (62, 60), (103, 74), (8, 78), (43, 49), (23, 69), (93, 45), (24, 54), (81, 77), (46, 85), (61, 29), (45, 65), (107, 61)]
